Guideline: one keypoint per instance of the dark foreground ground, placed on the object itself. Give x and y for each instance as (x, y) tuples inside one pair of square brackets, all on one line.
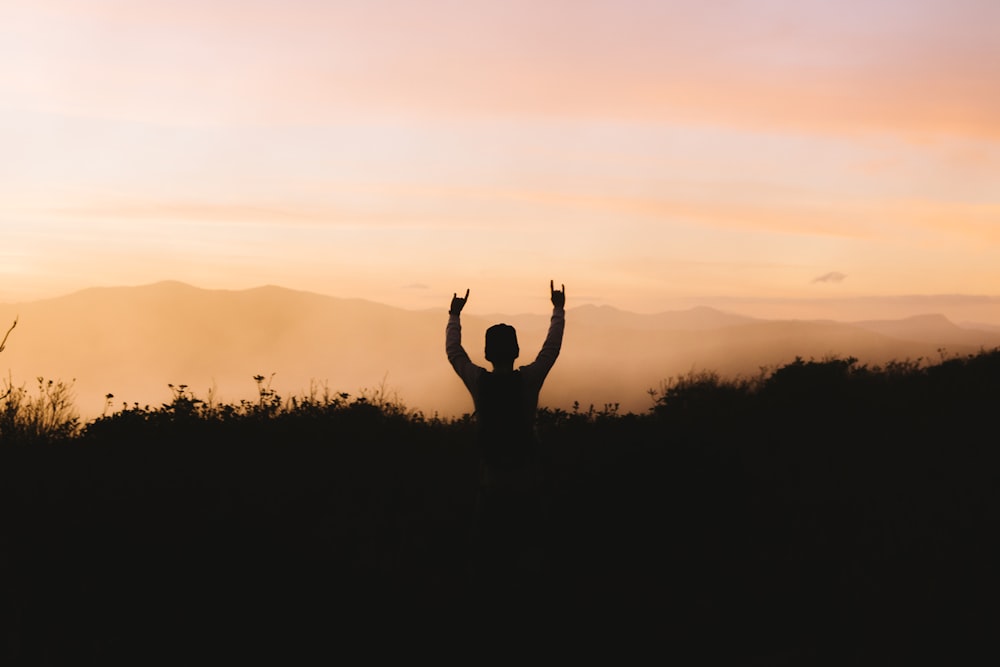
[(831, 516)]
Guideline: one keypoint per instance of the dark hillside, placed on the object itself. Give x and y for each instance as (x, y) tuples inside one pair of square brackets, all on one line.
[(829, 512)]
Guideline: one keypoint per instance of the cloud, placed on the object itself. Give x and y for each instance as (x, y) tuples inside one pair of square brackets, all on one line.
[(913, 68), (832, 277), (416, 286)]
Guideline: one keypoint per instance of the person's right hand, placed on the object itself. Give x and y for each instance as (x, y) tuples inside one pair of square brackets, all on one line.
[(558, 296), (458, 302)]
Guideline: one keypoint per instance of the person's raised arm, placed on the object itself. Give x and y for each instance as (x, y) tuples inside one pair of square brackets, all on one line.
[(553, 341), (457, 355)]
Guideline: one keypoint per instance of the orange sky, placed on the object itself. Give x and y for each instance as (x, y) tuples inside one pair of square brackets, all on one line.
[(642, 152)]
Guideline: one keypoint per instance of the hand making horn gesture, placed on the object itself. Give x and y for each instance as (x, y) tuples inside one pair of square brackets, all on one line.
[(558, 296), (458, 303)]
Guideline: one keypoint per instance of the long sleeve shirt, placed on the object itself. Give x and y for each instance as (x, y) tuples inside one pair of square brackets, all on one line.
[(533, 374)]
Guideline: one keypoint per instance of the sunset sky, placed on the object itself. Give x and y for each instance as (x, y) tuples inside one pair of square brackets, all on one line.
[(645, 153)]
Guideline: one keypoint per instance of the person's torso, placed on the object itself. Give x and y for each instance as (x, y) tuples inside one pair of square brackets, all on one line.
[(505, 420)]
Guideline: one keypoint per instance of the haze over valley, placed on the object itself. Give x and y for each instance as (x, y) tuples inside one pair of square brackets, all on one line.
[(133, 341)]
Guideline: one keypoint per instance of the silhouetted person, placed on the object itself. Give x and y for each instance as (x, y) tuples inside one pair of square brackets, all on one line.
[(510, 494)]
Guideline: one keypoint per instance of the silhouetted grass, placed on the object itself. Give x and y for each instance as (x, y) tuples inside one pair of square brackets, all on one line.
[(28, 418), (825, 511)]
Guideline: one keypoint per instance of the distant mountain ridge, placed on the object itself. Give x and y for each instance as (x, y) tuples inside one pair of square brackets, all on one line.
[(133, 341), (925, 328)]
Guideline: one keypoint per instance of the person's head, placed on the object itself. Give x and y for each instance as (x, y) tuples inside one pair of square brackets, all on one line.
[(501, 345)]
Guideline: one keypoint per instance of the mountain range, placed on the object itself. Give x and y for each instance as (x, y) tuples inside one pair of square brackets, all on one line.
[(133, 341)]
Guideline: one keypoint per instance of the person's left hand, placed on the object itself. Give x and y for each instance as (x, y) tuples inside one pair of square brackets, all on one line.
[(458, 302)]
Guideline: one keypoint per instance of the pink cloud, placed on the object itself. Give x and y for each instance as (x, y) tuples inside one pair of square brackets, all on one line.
[(896, 68)]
